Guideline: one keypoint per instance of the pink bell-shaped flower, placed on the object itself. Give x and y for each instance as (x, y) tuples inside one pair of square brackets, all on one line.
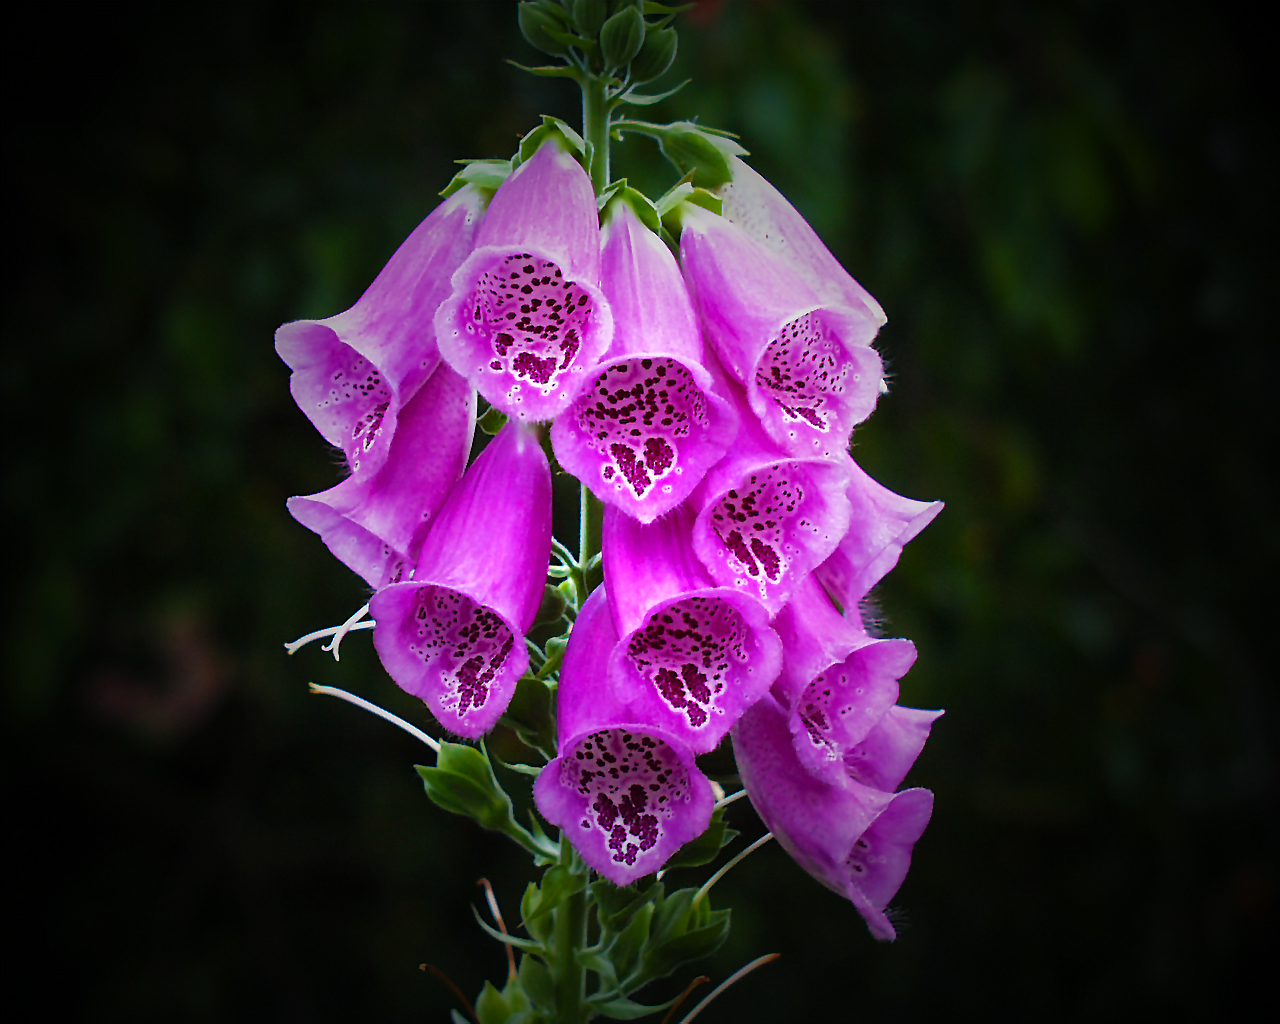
[(807, 365), (693, 656), (626, 793), (650, 421), (526, 316), (375, 523), (355, 372), (767, 518), (454, 634), (853, 838)]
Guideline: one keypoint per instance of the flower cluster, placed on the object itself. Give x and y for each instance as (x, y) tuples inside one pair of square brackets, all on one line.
[(708, 402)]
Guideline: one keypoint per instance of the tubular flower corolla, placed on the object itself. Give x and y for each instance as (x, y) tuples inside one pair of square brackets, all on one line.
[(854, 838), (526, 315), (355, 372), (766, 518), (454, 634), (649, 422), (807, 366), (837, 683), (375, 523), (627, 793), (693, 656)]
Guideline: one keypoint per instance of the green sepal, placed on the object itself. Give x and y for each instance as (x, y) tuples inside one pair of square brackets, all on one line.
[(462, 782), (570, 39), (537, 925), (491, 1006), (493, 420), (622, 36), (626, 948), (707, 846), (650, 7), (669, 206), (531, 716), (616, 905), (655, 56), (485, 174), (555, 649), (553, 126), (552, 608), (539, 20), (641, 204)]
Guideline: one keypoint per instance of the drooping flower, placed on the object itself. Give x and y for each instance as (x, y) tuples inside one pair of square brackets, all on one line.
[(693, 656), (375, 523), (807, 366), (454, 634), (881, 523), (650, 421), (853, 838), (764, 213), (767, 518), (836, 683), (625, 792), (526, 315), (355, 372)]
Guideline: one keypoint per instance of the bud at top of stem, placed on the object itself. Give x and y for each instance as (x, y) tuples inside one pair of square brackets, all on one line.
[(622, 36)]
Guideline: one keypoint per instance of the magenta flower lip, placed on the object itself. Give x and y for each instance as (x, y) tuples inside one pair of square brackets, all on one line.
[(767, 518), (454, 634), (375, 523), (353, 373), (526, 316), (693, 656), (650, 421), (626, 793), (808, 368)]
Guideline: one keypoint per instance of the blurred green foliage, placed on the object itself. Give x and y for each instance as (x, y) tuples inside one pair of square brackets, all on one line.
[(1067, 211)]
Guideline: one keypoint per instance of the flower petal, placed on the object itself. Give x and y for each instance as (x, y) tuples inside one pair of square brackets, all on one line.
[(853, 839), (650, 423), (526, 315), (453, 635), (375, 524), (881, 523), (807, 366), (692, 657), (767, 518), (626, 794), (353, 372)]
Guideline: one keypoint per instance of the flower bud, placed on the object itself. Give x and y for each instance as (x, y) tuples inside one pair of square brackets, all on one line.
[(535, 19), (622, 37), (589, 15), (655, 56)]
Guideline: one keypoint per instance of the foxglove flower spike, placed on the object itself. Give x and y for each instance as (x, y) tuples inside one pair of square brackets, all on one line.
[(454, 634)]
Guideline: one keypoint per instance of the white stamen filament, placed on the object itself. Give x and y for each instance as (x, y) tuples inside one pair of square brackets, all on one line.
[(344, 629), (320, 634), (360, 702)]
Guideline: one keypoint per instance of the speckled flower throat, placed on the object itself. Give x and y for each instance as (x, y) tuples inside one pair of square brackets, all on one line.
[(802, 370), (639, 413), (534, 321), (465, 644), (633, 784)]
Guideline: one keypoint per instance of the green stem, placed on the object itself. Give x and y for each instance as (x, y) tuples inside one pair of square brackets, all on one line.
[(570, 935), (595, 128)]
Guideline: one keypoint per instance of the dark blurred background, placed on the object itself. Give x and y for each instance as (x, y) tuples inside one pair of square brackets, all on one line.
[(1068, 211)]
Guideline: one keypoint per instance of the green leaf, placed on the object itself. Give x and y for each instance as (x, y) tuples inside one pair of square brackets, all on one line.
[(626, 948), (491, 1006), (462, 782), (707, 846), (616, 905), (641, 100), (531, 715), (535, 979), (548, 70), (625, 1009), (558, 884)]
